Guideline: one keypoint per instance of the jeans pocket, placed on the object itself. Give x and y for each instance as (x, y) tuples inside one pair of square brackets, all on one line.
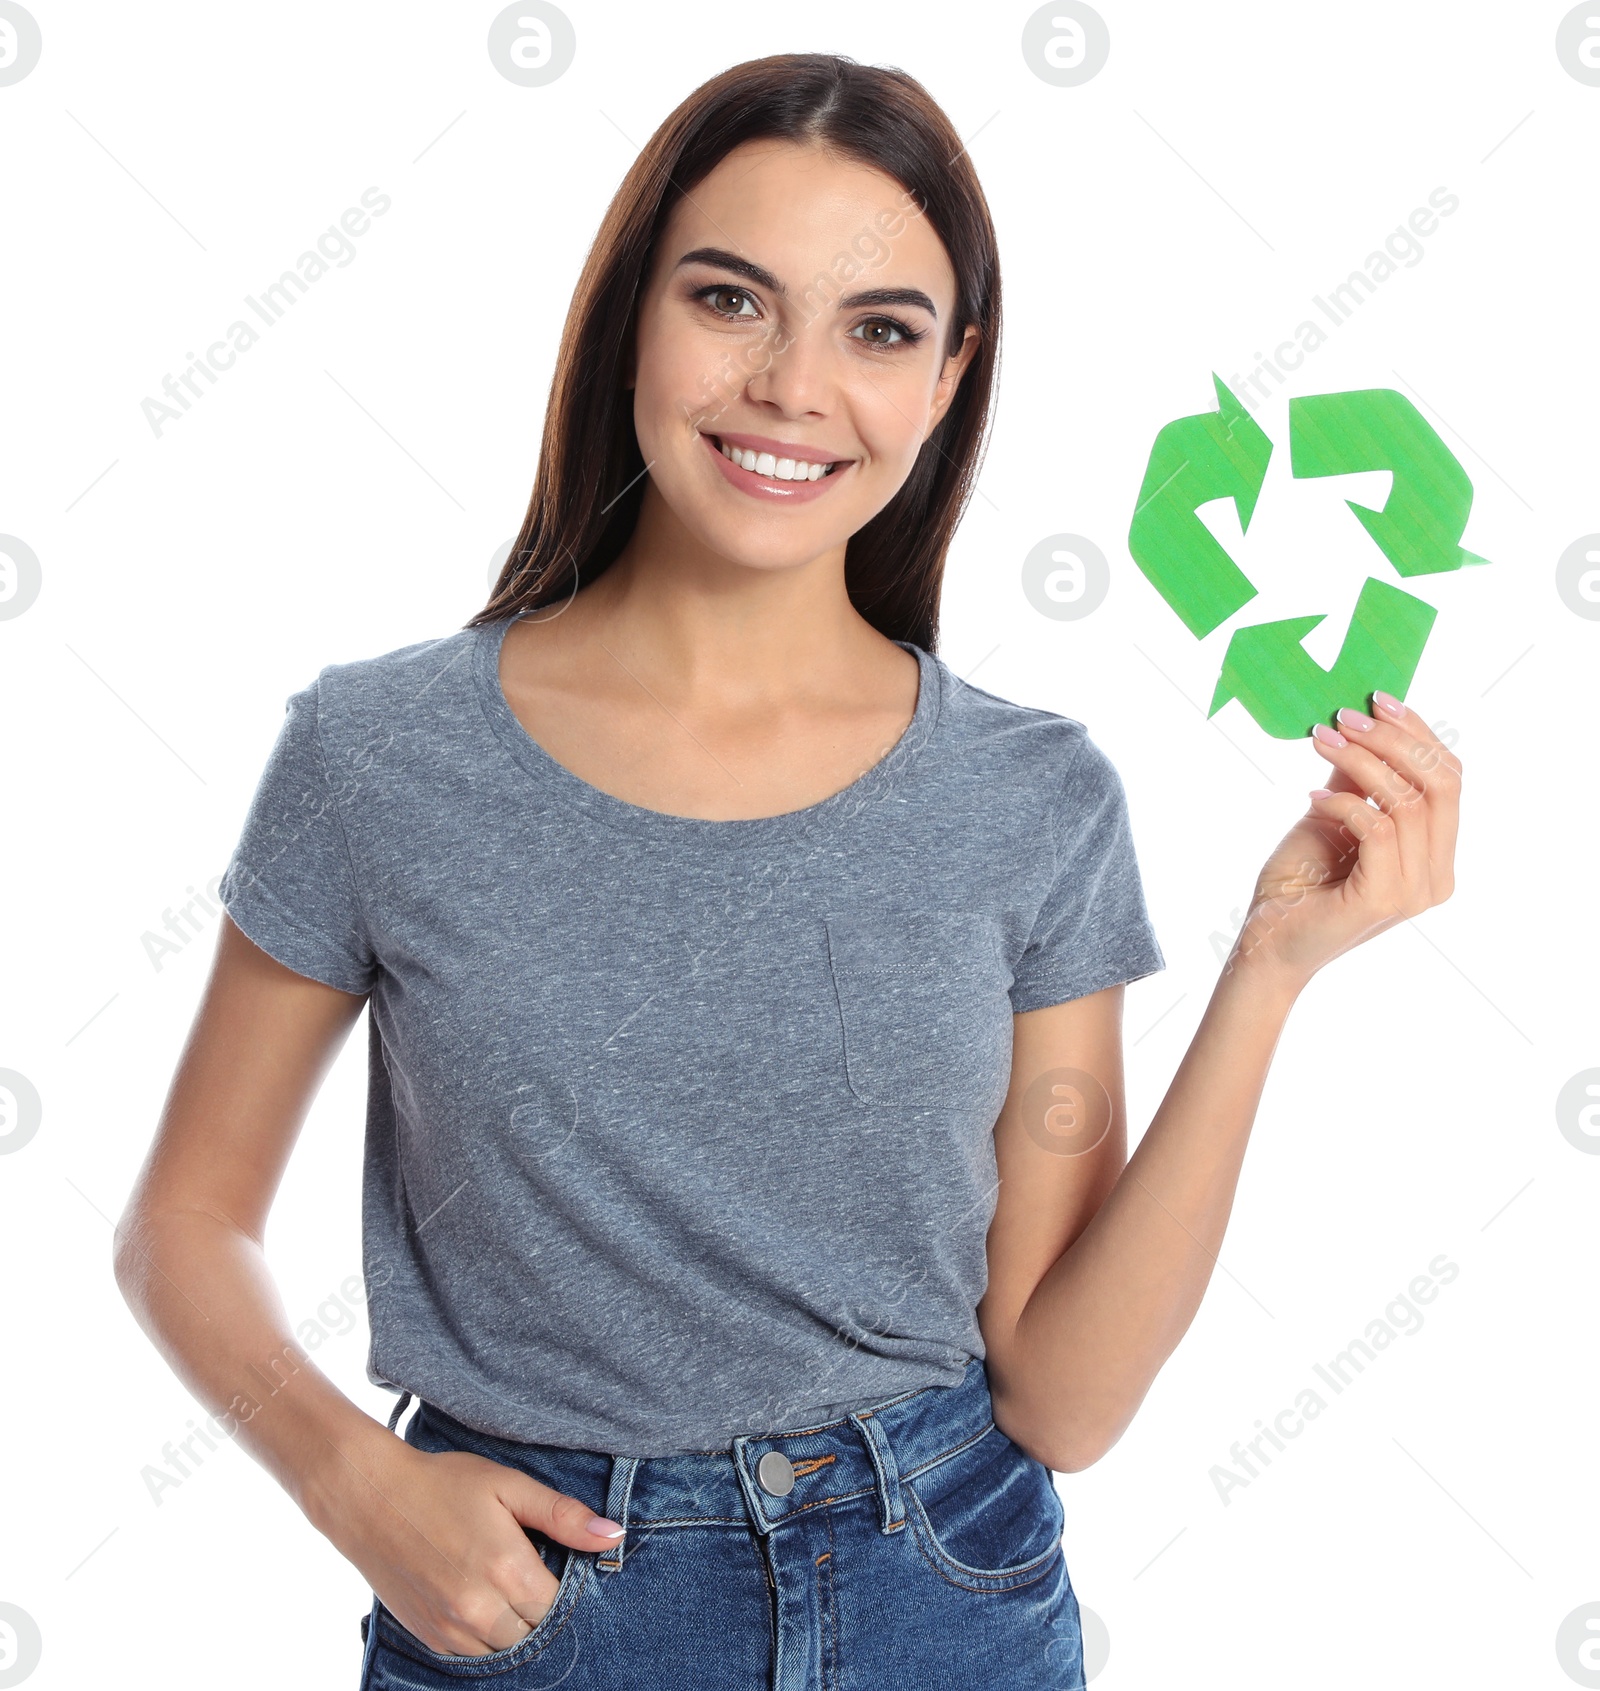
[(924, 1007), (989, 1517), (575, 1569)]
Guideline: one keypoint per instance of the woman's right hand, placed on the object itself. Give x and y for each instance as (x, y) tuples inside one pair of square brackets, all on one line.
[(440, 1540)]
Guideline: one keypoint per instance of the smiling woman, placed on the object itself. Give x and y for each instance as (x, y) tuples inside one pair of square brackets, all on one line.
[(737, 977), (806, 408), (865, 257)]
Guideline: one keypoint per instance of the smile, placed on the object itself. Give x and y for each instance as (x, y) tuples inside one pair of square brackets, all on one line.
[(768, 464), (764, 475)]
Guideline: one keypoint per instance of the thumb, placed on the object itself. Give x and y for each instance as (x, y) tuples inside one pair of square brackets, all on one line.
[(563, 1518)]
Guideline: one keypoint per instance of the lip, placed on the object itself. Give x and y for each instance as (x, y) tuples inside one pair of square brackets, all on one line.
[(769, 487)]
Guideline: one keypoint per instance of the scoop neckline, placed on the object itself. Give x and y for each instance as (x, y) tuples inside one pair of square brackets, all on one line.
[(605, 808)]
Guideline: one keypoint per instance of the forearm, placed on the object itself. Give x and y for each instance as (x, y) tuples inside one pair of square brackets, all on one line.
[(201, 1289), (1111, 1310)]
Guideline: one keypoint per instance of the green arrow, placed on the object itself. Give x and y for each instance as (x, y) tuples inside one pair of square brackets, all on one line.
[(1270, 673), (1219, 454), (1420, 526)]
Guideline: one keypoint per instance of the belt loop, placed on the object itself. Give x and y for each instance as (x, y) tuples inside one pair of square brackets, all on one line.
[(881, 1453), (618, 1491)]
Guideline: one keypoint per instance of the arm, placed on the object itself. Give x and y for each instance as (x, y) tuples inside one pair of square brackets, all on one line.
[(1098, 1262), (189, 1257), (438, 1536)]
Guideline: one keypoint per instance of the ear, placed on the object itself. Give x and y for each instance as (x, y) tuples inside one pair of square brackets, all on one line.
[(955, 367)]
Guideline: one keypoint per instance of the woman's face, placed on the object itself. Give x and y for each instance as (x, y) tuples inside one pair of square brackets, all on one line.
[(800, 306)]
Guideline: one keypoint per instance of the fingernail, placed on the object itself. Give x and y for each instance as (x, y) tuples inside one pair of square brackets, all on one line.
[(1329, 736), (1322, 792), (1354, 719), (603, 1528), (1388, 704)]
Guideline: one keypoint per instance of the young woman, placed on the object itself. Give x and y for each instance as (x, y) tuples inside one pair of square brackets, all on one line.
[(747, 1203)]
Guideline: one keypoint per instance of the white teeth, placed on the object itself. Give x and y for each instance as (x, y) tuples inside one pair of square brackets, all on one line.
[(780, 469)]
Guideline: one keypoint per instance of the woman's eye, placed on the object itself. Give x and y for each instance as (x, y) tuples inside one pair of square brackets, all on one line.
[(882, 323), (717, 293)]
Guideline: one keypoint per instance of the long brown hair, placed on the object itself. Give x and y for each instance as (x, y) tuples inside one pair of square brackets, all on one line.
[(590, 478)]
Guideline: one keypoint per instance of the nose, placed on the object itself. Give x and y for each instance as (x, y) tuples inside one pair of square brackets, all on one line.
[(796, 376)]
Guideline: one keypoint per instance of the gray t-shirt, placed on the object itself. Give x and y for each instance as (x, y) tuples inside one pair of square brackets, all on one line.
[(677, 1129)]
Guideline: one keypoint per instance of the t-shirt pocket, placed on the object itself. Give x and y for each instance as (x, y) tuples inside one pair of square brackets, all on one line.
[(924, 1009)]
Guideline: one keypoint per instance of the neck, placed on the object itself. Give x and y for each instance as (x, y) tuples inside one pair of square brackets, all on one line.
[(704, 625)]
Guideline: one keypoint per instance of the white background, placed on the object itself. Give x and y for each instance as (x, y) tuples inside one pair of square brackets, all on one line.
[(341, 491)]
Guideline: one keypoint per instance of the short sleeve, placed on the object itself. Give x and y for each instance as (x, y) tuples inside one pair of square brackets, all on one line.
[(1092, 930), (290, 885)]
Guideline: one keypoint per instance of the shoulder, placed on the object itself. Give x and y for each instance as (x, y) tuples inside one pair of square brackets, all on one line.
[(1008, 737), (396, 676), (410, 689), (1045, 753), (389, 713)]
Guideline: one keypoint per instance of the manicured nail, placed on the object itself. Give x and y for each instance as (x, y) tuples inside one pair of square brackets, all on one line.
[(1353, 719), (1329, 736), (602, 1528), (1322, 792), (1388, 704)]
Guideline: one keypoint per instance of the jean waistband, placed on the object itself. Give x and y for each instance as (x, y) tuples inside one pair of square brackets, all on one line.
[(759, 1480)]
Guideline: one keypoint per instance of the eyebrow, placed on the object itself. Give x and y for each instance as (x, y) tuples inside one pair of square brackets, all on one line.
[(721, 259)]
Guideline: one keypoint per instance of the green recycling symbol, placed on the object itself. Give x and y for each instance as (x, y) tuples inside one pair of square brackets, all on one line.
[(1223, 454)]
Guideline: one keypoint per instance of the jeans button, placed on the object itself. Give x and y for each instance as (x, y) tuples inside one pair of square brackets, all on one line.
[(776, 1473)]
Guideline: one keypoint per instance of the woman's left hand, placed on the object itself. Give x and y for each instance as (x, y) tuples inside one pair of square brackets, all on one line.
[(1347, 871)]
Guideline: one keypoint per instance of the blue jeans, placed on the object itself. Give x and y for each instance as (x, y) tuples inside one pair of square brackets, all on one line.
[(909, 1545)]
